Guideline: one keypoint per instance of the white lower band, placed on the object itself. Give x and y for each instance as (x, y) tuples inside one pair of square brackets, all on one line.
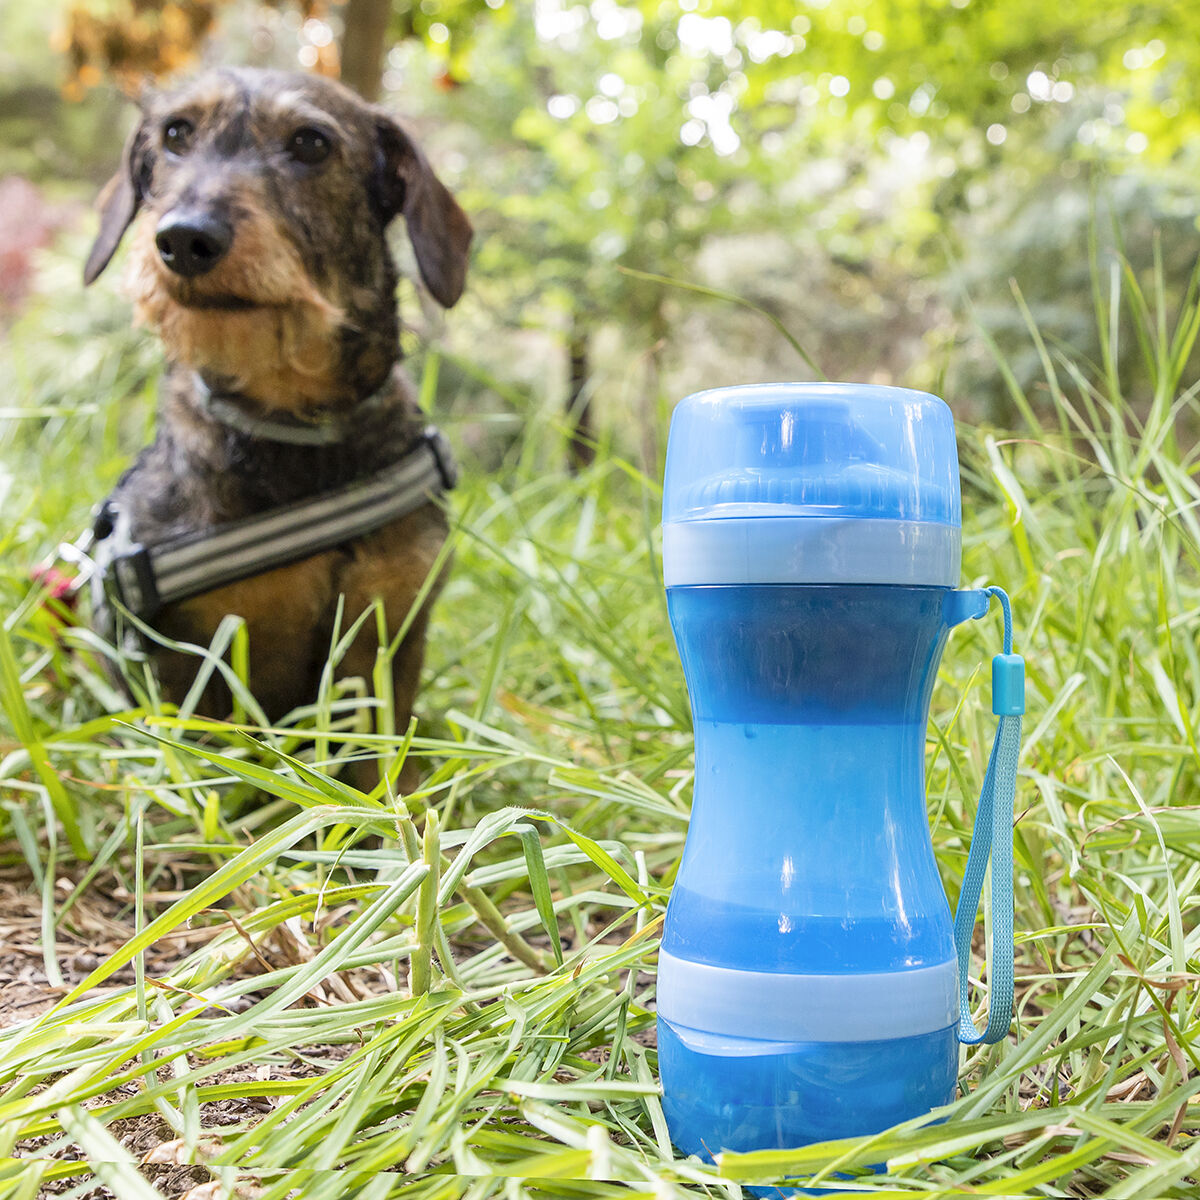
[(735, 550), (807, 1008)]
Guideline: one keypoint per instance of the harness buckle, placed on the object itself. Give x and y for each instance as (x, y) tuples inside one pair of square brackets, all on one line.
[(443, 456), (79, 555), (131, 576), (124, 569)]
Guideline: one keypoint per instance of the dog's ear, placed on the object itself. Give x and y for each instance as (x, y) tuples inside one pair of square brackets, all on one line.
[(438, 229), (118, 203)]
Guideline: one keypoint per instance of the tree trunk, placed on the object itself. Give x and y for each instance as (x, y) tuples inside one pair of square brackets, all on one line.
[(364, 40), (581, 450)]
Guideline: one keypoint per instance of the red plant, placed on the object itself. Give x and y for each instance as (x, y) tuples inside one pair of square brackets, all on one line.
[(27, 223)]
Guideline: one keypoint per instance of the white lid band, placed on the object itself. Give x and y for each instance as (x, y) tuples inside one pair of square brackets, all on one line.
[(747, 550)]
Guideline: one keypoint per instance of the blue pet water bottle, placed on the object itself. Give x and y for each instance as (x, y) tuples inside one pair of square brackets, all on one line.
[(811, 984)]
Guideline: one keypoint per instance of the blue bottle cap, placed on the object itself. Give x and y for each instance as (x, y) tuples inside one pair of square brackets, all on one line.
[(812, 483)]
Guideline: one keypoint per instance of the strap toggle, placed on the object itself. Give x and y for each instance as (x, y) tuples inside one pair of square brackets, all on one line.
[(1008, 685)]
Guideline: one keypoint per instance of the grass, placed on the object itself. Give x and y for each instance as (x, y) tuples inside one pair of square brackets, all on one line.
[(289, 987)]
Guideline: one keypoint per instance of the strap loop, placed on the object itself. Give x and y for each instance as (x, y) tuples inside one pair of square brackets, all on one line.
[(993, 838)]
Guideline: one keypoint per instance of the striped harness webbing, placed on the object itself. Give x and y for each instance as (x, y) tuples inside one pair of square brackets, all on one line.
[(142, 579)]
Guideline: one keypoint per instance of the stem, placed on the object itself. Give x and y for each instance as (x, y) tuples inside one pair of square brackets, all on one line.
[(581, 451), (492, 919), (421, 968)]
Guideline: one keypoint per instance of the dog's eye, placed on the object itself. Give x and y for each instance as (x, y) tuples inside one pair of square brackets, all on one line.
[(177, 135), (309, 146)]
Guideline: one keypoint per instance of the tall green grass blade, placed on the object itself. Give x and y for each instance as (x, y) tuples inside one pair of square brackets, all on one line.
[(12, 697)]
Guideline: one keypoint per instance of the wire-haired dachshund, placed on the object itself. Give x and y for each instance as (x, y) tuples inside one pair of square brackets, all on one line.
[(257, 204)]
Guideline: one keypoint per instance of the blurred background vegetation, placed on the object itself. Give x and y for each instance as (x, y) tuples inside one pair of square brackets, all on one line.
[(879, 175), (995, 199)]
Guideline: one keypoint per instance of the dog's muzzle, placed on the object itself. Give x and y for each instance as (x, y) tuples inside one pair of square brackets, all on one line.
[(191, 242)]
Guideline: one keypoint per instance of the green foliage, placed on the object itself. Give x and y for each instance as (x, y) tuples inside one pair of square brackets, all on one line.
[(41, 134), (451, 993), (840, 164), (887, 154), (403, 1026), (578, 165)]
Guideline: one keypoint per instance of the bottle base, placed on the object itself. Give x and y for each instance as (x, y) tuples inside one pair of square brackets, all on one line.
[(741, 1094)]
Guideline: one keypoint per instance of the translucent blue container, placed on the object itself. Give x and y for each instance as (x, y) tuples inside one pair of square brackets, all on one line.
[(807, 983)]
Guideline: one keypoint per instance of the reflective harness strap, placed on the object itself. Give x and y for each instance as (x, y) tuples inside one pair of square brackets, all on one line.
[(993, 838), (143, 579)]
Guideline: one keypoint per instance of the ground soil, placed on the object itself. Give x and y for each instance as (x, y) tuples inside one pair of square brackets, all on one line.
[(95, 926)]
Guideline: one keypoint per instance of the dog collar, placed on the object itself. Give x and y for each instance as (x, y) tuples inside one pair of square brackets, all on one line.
[(328, 429), (140, 580)]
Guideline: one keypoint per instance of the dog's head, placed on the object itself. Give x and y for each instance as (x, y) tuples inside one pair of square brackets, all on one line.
[(259, 201)]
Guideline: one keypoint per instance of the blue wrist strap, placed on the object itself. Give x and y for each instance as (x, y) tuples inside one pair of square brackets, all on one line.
[(993, 838)]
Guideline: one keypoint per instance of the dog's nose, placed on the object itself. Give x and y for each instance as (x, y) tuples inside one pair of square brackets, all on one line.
[(191, 243)]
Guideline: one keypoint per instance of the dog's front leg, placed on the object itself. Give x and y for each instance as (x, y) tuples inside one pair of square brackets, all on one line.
[(283, 610), (391, 567)]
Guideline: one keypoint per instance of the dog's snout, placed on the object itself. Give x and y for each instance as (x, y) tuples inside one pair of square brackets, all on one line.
[(191, 243)]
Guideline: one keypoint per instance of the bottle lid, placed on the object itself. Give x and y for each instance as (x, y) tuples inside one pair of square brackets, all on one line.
[(812, 483)]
